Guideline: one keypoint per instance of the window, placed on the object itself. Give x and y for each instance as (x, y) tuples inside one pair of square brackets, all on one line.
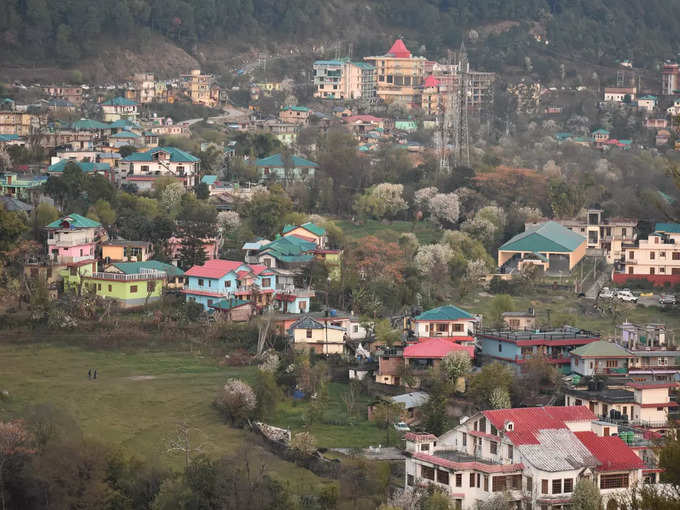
[(511, 452), (427, 472), (227, 283), (544, 487), (530, 484), (557, 486), (210, 302), (309, 333), (266, 282), (662, 254), (612, 363), (457, 327), (494, 430), (568, 485), (617, 481), (479, 480), (482, 425), (150, 286), (493, 447), (200, 282), (355, 329), (498, 484), (631, 254), (500, 347), (676, 255), (99, 286), (464, 439), (652, 255), (443, 476), (486, 483), (424, 447), (109, 287), (133, 289), (472, 479), (459, 479), (409, 480)]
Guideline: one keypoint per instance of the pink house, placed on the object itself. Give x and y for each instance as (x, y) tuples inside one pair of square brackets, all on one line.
[(210, 245), (74, 238)]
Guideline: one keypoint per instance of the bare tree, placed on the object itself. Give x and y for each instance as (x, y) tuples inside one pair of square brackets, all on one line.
[(185, 442)]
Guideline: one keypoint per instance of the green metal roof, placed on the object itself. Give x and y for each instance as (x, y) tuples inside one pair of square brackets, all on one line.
[(601, 131), (329, 62), (363, 65), (85, 166), (125, 134), (8, 138), (228, 304), (276, 161), (119, 101), (176, 155), (209, 179), (444, 313), (295, 108), (549, 237), (315, 229), (124, 123), (136, 267), (601, 349), (667, 228), (75, 221), (88, 125)]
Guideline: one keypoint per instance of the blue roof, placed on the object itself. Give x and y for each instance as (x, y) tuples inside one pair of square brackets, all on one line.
[(88, 125), (124, 123), (119, 101), (445, 313), (276, 161), (548, 237), (329, 62), (295, 108), (209, 179), (8, 138), (74, 220), (176, 155), (85, 166), (667, 228)]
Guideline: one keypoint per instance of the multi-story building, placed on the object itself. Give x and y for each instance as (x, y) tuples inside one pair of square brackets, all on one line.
[(619, 94), (399, 75), (119, 108), (343, 79), (654, 360), (656, 258), (143, 168), (308, 334), (604, 236), (224, 279), (19, 123), (445, 321), (532, 456), (74, 238), (295, 114), (639, 404), (71, 94), (27, 188), (145, 87), (600, 358), (198, 87), (670, 79), (127, 251), (517, 347)]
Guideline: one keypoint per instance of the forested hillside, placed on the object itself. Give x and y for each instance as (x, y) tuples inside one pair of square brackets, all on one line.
[(596, 30)]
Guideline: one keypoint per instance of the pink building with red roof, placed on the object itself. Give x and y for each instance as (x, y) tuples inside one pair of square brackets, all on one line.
[(535, 456)]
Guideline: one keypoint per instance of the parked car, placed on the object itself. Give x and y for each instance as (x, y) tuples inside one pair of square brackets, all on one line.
[(606, 293), (402, 427), (627, 296), (667, 299)]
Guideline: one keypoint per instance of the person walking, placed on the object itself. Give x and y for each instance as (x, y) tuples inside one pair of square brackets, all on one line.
[(95, 373), (89, 374)]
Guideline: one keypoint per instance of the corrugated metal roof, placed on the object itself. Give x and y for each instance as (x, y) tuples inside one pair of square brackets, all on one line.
[(601, 349), (548, 237), (411, 400), (74, 220), (444, 313), (557, 450), (611, 452)]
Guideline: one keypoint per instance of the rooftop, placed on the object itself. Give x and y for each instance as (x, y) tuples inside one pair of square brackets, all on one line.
[(548, 237), (85, 166), (74, 221), (444, 313), (136, 267), (435, 348), (175, 154), (309, 226), (601, 349), (609, 395), (566, 333), (276, 161)]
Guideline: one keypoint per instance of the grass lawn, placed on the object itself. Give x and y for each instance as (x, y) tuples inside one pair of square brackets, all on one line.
[(426, 232), (136, 401), (336, 430)]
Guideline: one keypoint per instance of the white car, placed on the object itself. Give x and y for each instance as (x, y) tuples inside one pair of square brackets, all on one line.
[(627, 296), (606, 293), (402, 427)]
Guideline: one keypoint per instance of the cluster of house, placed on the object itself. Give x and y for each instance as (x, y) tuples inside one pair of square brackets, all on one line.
[(617, 404), (400, 77)]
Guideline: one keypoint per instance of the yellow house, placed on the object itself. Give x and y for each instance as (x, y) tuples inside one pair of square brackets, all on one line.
[(399, 75), (322, 338), (307, 231), (551, 246), (127, 251)]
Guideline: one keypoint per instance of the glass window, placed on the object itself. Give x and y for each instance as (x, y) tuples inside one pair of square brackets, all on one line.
[(133, 289), (568, 485), (443, 476), (427, 472), (557, 486)]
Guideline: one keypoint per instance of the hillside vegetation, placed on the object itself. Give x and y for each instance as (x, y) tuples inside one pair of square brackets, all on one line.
[(599, 31)]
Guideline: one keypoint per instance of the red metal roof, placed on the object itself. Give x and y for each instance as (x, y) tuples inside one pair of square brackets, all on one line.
[(529, 420), (430, 82), (399, 50), (469, 466), (435, 348), (242, 274), (216, 268), (612, 453), (463, 338)]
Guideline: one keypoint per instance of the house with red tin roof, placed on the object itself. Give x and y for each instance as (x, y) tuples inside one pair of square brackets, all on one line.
[(228, 279), (533, 456)]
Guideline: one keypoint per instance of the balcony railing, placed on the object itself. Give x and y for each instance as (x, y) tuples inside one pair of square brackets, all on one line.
[(70, 241), (145, 274), (636, 423)]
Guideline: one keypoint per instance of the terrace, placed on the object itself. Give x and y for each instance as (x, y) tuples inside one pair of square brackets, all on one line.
[(535, 336)]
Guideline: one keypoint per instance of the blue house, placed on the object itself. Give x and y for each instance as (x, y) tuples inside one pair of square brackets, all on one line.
[(224, 279)]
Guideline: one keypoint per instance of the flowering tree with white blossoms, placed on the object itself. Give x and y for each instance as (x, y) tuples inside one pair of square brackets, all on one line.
[(237, 401), (445, 208)]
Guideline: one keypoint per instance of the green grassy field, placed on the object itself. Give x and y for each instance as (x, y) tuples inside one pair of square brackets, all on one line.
[(426, 232), (136, 401)]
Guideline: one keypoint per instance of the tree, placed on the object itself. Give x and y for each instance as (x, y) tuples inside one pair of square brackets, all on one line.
[(491, 376), (386, 414), (11, 228), (500, 304), (184, 442), (433, 411), (382, 201), (445, 208), (266, 210), (126, 150), (304, 442), (669, 459), (171, 197), (43, 214), (370, 257), (586, 495), (202, 191), (499, 398), (267, 394), (14, 441), (454, 365), (191, 252), (385, 334), (237, 401)]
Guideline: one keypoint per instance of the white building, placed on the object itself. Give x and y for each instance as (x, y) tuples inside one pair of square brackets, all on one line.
[(143, 168), (534, 456)]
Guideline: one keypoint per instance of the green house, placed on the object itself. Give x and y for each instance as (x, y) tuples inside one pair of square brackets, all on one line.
[(293, 168)]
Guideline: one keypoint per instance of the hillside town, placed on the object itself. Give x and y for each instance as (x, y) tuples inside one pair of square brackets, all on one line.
[(356, 286)]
